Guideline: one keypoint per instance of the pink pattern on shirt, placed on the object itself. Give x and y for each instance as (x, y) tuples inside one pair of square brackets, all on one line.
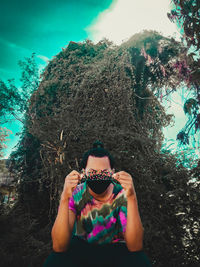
[(123, 220), (72, 205), (99, 228)]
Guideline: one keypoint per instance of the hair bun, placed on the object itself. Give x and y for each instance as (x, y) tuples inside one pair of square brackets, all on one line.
[(97, 144)]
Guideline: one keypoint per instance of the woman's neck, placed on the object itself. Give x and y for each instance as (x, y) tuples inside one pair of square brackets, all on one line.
[(105, 195)]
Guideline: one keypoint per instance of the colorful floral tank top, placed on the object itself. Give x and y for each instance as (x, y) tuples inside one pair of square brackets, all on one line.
[(99, 222)]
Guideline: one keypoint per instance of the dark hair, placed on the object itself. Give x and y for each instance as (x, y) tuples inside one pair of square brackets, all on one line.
[(99, 151)]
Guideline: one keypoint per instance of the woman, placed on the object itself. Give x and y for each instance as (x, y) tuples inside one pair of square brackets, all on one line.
[(98, 222)]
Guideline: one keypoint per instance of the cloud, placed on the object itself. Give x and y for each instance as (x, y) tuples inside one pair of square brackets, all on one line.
[(45, 59), (127, 17)]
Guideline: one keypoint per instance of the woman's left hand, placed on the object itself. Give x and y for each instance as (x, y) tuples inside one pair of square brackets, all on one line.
[(126, 182)]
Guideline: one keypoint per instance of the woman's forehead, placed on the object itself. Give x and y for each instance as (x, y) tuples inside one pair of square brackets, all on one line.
[(98, 169), (97, 163), (92, 160)]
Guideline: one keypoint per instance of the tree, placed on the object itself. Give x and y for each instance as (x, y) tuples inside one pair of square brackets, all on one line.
[(186, 14), (13, 100)]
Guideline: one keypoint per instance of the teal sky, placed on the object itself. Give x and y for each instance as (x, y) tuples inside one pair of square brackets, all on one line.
[(45, 27)]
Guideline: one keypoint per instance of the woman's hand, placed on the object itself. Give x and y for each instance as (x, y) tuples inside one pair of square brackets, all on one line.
[(126, 182), (71, 181)]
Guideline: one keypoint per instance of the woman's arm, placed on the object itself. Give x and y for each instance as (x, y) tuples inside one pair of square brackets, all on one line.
[(63, 226), (134, 229)]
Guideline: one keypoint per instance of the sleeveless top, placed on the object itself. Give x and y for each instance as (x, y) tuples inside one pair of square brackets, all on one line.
[(97, 221)]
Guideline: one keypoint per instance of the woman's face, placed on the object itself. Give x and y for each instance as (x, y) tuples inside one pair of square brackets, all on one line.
[(97, 164), (99, 187)]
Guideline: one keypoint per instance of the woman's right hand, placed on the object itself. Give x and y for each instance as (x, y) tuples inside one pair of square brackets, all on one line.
[(71, 181)]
